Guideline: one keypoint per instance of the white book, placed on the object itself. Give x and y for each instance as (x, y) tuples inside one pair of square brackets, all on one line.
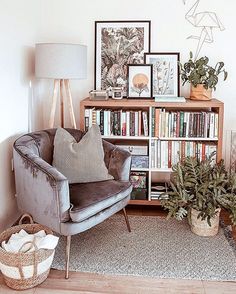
[(212, 125), (152, 154), (167, 124), (98, 117), (106, 123), (109, 122), (158, 154), (90, 117), (155, 153), (216, 125), (145, 124)]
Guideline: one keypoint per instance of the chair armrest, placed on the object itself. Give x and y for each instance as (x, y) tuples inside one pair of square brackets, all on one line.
[(120, 164), (41, 189)]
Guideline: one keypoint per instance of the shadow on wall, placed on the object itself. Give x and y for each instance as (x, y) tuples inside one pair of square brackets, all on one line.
[(8, 208)]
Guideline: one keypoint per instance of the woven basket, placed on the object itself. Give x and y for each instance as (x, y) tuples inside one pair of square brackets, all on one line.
[(201, 227), (25, 270)]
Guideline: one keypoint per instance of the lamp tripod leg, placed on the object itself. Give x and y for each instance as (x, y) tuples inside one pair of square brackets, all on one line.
[(54, 103), (70, 104), (62, 102)]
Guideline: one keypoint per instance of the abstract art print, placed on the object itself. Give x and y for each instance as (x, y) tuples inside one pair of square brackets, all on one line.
[(165, 73), (118, 43), (139, 81)]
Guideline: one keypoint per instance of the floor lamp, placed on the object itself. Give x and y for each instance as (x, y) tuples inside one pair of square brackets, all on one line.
[(61, 62)]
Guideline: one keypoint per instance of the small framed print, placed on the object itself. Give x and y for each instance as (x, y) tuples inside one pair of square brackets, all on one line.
[(118, 43), (139, 81), (165, 80)]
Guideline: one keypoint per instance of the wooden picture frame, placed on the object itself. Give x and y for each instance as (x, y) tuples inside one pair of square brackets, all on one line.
[(114, 41), (140, 81), (166, 80)]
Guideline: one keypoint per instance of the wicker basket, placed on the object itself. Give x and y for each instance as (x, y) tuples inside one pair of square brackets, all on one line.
[(201, 227), (25, 270)]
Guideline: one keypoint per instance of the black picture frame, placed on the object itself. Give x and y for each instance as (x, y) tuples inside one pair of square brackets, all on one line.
[(111, 71), (173, 59), (143, 81)]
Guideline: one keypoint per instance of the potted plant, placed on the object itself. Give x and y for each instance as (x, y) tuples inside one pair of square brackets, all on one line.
[(202, 77), (199, 190)]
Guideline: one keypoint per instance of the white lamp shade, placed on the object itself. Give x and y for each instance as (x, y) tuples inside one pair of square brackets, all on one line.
[(60, 61)]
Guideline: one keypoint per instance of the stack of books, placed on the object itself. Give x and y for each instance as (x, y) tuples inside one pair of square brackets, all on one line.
[(157, 191), (118, 122)]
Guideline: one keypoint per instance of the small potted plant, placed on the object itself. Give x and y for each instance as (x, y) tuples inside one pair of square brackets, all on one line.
[(199, 190), (202, 77)]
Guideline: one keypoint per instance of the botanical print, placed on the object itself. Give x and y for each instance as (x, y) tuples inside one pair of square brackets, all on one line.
[(139, 81), (118, 45), (165, 74)]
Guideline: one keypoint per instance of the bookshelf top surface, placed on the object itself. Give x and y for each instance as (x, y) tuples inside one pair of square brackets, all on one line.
[(139, 103)]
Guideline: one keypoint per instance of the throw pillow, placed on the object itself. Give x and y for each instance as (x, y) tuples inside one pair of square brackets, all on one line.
[(83, 161)]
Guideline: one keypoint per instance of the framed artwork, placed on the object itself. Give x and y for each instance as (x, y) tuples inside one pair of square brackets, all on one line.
[(118, 43), (139, 81), (165, 81)]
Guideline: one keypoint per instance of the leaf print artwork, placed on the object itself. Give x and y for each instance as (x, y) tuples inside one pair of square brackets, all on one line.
[(119, 44)]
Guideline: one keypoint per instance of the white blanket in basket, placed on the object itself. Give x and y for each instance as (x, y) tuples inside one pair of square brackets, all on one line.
[(24, 242)]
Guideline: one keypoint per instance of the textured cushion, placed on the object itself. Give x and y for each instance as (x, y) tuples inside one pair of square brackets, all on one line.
[(89, 199), (80, 162)]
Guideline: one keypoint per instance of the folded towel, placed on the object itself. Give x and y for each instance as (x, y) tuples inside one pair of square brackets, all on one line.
[(24, 242)]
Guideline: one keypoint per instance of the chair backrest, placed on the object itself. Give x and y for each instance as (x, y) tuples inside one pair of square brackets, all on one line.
[(41, 143)]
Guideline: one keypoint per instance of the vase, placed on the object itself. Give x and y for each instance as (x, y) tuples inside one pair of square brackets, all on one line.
[(201, 227), (200, 93)]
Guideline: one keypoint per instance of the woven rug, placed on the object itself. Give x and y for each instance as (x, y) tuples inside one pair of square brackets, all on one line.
[(156, 247)]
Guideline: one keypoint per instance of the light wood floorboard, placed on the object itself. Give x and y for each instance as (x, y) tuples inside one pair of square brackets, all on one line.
[(88, 283)]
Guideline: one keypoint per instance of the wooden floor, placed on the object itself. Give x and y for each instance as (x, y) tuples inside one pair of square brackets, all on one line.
[(95, 283)]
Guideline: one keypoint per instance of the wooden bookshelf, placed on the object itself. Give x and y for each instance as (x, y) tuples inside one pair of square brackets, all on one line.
[(214, 105)]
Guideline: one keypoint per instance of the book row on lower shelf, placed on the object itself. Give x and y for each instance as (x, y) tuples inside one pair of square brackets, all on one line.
[(164, 154), (118, 122), (184, 124)]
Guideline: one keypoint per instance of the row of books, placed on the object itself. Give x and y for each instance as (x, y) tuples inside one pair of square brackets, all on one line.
[(184, 124), (164, 154), (118, 122)]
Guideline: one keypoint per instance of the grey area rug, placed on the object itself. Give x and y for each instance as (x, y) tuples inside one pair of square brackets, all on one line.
[(156, 247)]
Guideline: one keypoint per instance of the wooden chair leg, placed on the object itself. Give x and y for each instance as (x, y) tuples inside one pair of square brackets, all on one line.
[(126, 220), (68, 242)]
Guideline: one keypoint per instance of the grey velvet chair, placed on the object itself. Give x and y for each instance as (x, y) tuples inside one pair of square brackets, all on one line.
[(44, 192)]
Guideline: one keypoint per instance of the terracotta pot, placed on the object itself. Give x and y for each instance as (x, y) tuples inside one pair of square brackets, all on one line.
[(201, 227), (200, 93)]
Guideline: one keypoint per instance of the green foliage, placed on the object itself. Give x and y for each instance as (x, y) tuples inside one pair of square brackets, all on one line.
[(199, 72), (202, 185)]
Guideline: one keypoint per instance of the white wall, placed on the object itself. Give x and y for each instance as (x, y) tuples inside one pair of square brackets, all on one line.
[(25, 22)]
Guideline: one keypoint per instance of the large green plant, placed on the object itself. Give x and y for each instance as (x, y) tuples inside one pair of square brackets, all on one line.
[(199, 72), (204, 186)]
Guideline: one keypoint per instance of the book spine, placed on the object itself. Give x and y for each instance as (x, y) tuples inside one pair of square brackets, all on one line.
[(123, 118), (153, 122), (140, 123), (136, 124), (145, 124), (128, 123), (216, 125), (118, 123), (86, 119), (169, 154), (181, 124), (102, 122), (157, 122)]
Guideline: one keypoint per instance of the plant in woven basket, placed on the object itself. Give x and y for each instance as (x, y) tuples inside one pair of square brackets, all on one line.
[(201, 185), (200, 72)]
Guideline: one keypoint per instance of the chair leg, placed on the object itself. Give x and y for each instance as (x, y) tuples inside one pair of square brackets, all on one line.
[(126, 220), (68, 242)]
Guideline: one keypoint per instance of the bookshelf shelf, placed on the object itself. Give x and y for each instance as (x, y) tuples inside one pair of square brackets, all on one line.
[(201, 139), (185, 139), (126, 138)]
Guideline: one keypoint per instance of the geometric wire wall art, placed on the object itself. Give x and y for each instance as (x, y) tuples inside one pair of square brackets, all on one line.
[(206, 21)]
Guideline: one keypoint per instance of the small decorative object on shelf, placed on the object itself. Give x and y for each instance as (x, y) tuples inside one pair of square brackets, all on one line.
[(202, 77), (117, 92), (98, 95), (157, 190)]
